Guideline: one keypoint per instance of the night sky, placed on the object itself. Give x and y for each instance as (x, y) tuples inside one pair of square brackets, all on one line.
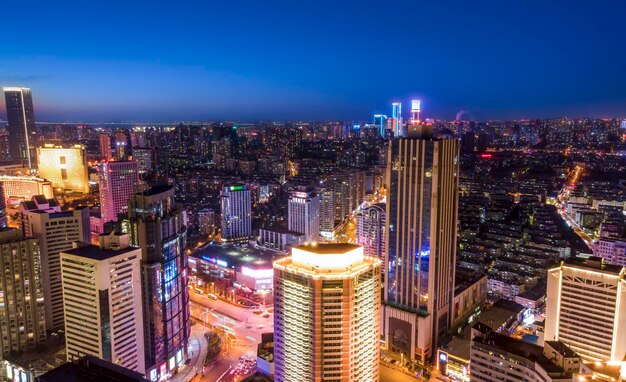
[(321, 60)]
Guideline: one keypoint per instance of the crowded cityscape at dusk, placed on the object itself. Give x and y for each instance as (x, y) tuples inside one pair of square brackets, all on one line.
[(313, 192)]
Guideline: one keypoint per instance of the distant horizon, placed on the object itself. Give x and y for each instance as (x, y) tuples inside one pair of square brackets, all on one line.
[(323, 60)]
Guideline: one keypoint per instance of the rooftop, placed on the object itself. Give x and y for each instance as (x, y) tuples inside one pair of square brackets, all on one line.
[(236, 256), (328, 248), (91, 369), (94, 252), (594, 263)]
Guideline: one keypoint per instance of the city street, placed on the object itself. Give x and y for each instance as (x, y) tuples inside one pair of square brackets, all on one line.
[(241, 322), (388, 374)]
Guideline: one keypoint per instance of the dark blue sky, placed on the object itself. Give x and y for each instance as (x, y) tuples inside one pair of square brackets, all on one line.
[(173, 60)]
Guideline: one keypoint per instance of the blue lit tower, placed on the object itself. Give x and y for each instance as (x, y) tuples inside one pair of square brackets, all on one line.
[(420, 246), (380, 120), (156, 226), (396, 114)]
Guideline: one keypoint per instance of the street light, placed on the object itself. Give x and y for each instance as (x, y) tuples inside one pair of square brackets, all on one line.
[(206, 311)]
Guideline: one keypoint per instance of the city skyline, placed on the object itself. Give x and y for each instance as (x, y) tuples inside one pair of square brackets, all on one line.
[(251, 61)]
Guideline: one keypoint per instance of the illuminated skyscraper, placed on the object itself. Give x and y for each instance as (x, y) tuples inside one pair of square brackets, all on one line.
[(22, 322), (304, 214), (235, 214), (370, 230), (422, 180), (586, 308), (396, 115), (22, 130), (156, 226), (102, 299), (65, 167), (56, 231), (105, 146), (326, 314), (121, 144), (118, 181), (327, 211), (3, 207), (380, 120)]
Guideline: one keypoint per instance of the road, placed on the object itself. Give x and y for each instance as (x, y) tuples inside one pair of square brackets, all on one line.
[(243, 323), (390, 375)]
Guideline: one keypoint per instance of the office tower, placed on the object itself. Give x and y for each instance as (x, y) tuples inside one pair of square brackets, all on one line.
[(22, 318), (56, 231), (207, 221), (65, 167), (380, 120), (25, 187), (118, 181), (156, 226), (327, 211), (304, 214), (105, 146), (235, 214), (396, 115), (586, 308), (102, 299), (145, 157), (121, 144), (495, 357), (326, 314), (420, 247), (370, 230), (21, 127)]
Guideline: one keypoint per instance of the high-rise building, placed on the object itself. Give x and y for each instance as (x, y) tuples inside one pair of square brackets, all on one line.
[(370, 230), (22, 129), (65, 167), (586, 308), (22, 321), (145, 156), (105, 146), (613, 251), (304, 214), (3, 207), (420, 246), (56, 231), (118, 181), (396, 118), (235, 214), (156, 226), (207, 222), (327, 211), (380, 120), (326, 314), (220, 151), (121, 144), (102, 300)]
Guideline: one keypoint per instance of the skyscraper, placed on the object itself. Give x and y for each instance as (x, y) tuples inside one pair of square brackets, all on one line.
[(105, 146), (156, 226), (121, 144), (304, 214), (22, 324), (370, 230), (327, 211), (56, 231), (22, 130), (422, 180), (396, 118), (3, 206), (102, 300), (65, 166), (586, 308), (327, 314), (118, 181), (380, 120), (235, 214)]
